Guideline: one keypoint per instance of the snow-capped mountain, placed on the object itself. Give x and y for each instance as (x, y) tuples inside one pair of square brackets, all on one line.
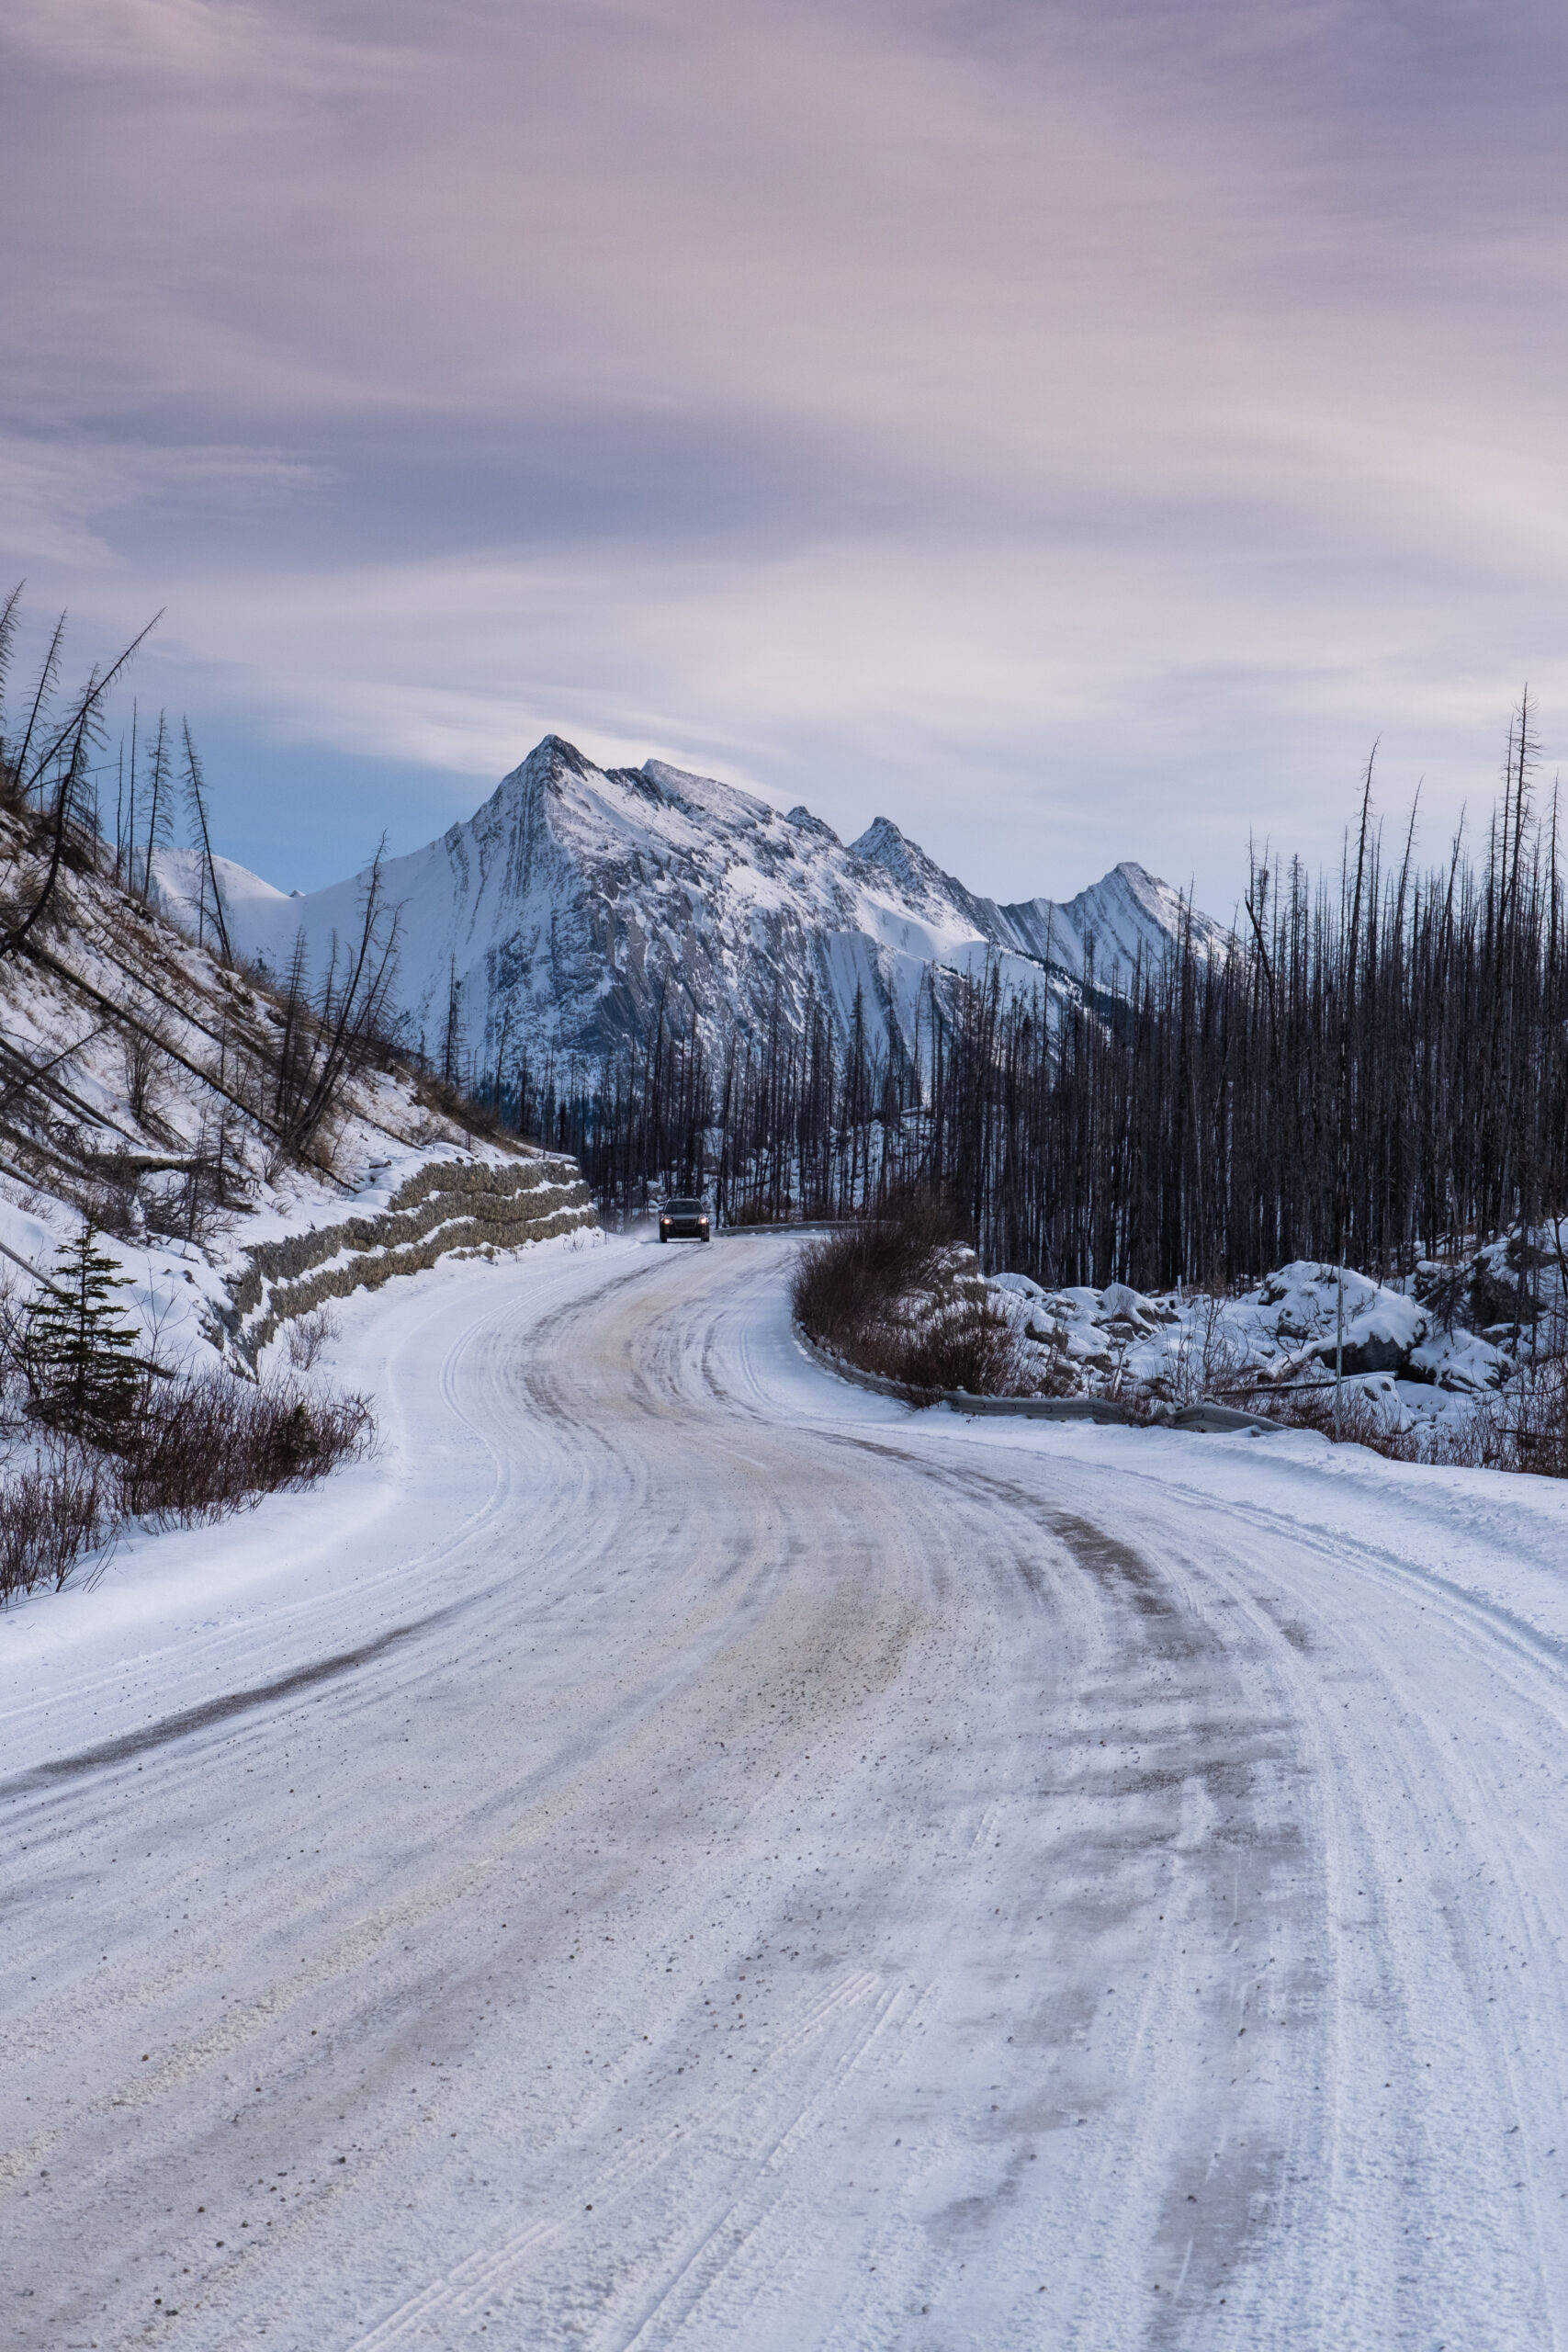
[(579, 903)]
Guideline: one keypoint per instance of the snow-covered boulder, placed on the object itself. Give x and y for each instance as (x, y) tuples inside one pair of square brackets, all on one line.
[(1016, 1288), (1142, 1316), (1383, 1327), (1381, 1335)]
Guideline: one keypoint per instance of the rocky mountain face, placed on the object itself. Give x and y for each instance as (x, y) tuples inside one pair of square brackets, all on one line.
[(580, 905)]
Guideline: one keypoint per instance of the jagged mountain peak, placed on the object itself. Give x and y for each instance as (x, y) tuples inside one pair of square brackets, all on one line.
[(884, 844), (550, 763), (667, 810), (801, 815)]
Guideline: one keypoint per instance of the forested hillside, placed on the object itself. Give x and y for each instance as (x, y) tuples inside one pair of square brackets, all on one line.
[(1376, 1064)]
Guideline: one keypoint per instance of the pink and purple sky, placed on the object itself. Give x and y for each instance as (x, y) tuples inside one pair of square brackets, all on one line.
[(1076, 430)]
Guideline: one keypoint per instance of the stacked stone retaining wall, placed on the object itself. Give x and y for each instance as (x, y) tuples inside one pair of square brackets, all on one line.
[(446, 1207)]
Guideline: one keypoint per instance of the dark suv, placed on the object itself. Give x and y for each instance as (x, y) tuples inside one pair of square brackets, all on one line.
[(683, 1221)]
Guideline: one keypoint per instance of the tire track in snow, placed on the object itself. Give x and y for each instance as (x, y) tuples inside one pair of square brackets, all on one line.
[(455, 2298), (988, 1806)]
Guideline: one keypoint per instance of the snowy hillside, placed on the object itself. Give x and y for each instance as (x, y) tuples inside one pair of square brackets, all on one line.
[(579, 901), (151, 1086)]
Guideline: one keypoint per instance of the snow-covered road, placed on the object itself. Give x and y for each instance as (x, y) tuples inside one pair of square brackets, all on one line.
[(679, 1852)]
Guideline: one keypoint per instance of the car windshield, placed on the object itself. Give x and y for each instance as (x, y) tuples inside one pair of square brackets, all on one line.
[(684, 1208)]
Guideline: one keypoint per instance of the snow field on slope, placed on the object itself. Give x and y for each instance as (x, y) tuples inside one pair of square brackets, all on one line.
[(726, 1859)]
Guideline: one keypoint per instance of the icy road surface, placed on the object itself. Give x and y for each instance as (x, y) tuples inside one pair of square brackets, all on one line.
[(681, 1853)]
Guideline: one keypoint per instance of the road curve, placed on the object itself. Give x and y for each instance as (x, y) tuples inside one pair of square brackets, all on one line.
[(709, 1859)]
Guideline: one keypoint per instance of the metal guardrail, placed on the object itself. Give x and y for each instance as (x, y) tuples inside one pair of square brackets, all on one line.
[(817, 1224), (1205, 1418)]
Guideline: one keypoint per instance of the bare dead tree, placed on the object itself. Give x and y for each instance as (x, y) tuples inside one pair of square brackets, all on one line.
[(327, 1037), (158, 786), (53, 756), (196, 797)]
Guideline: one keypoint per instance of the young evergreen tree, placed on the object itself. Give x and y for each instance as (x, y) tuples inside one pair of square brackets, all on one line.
[(80, 1356)]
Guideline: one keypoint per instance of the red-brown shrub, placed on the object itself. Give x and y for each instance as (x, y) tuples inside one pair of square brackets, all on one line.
[(884, 1295), (192, 1449)]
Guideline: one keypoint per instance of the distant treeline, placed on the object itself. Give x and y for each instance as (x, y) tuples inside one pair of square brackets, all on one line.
[(1378, 1064)]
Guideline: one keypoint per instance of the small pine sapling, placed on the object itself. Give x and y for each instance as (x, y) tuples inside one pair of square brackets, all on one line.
[(79, 1357)]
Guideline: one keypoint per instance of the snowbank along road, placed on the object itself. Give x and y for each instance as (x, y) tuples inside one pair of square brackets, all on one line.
[(679, 1852)]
